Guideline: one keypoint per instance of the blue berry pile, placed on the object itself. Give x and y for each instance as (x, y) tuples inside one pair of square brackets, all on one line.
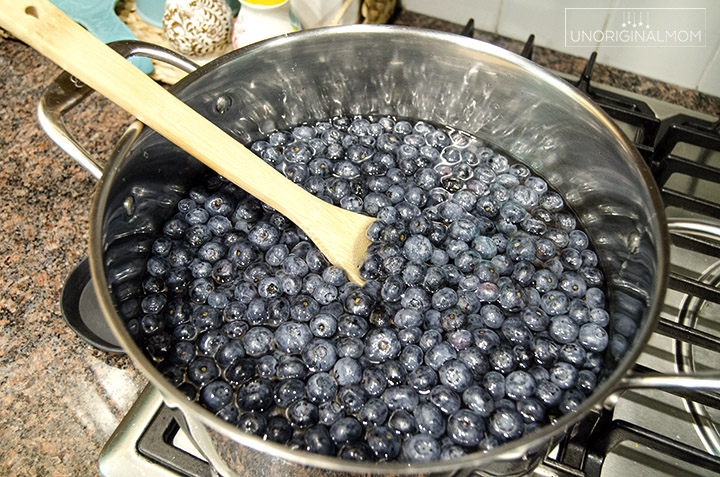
[(482, 317)]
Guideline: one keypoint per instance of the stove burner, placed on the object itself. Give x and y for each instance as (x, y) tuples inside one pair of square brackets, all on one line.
[(693, 312), (81, 310)]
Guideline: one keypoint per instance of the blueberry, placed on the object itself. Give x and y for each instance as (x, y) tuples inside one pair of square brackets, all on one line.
[(347, 371), (403, 422), (400, 397), (216, 395), (253, 423), (564, 375), (571, 399), (255, 395), (278, 430), (373, 381), (466, 427), (302, 414), (291, 367), (412, 357), (288, 391), (452, 319), (421, 448), (319, 441), (494, 383), (455, 374), (241, 254), (358, 451), (350, 347), (382, 344), (258, 341), (532, 411), (374, 412), (595, 298), (329, 412), (319, 355), (555, 303), (359, 303), (408, 318), (303, 308), (229, 413), (292, 337), (535, 319), (352, 326), (418, 249), (423, 379), (210, 342), (479, 400), (202, 371), (324, 325), (351, 398), (155, 284), (430, 420), (593, 337), (383, 442), (587, 380), (200, 289), (196, 216), (502, 359), (158, 266), (182, 353), (545, 351), (516, 332), (436, 356), (519, 385), (460, 339), (574, 354), (506, 424), (175, 229), (321, 387), (563, 329), (416, 298), (589, 259), (572, 284), (444, 299)]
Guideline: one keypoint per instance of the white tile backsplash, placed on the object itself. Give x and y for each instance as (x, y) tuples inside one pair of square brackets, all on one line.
[(484, 12), (683, 66), (710, 80), (519, 18), (319, 13), (695, 68)]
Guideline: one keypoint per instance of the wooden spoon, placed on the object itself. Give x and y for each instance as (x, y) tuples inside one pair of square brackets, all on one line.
[(338, 233)]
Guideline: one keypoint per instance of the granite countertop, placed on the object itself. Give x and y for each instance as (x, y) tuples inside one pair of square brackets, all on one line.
[(60, 399)]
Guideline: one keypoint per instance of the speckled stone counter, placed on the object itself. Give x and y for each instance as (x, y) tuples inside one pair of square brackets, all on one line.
[(60, 399)]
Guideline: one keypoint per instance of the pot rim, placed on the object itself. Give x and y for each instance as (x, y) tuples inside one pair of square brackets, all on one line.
[(517, 449)]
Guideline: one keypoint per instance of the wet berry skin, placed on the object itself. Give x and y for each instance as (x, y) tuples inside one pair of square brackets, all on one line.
[(216, 395)]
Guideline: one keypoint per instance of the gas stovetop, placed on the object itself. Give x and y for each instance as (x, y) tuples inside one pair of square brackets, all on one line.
[(649, 432)]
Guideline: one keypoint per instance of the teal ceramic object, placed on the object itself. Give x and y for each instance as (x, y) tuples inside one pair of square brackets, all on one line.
[(151, 11), (98, 17)]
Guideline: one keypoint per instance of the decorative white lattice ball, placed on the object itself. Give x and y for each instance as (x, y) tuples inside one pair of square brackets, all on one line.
[(197, 27)]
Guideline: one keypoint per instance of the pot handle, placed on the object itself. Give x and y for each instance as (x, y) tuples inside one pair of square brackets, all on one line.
[(66, 92), (708, 380)]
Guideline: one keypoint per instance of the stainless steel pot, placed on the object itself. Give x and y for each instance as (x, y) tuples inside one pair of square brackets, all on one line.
[(436, 77)]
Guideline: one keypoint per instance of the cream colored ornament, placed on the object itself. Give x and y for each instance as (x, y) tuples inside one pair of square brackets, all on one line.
[(197, 27)]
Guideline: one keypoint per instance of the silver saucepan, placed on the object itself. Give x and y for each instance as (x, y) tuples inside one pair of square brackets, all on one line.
[(419, 74)]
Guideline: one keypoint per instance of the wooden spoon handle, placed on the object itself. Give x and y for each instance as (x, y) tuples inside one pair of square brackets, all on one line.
[(48, 30)]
